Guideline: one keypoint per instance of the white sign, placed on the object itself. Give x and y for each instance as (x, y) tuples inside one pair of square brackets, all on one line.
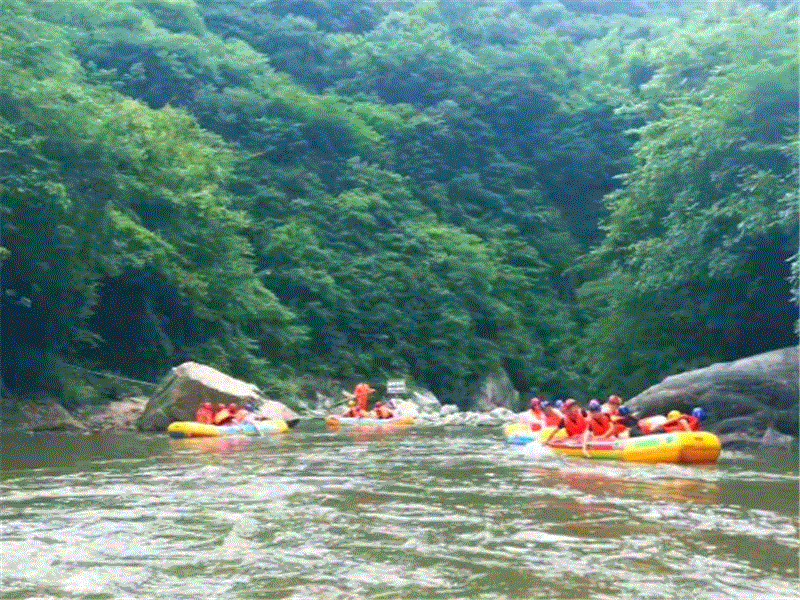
[(396, 387)]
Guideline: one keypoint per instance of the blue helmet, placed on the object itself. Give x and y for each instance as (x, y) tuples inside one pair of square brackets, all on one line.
[(699, 413), (544, 404), (559, 403), (593, 405), (624, 410)]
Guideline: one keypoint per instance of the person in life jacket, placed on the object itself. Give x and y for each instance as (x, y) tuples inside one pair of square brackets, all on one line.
[(535, 409), (352, 410), (534, 416), (220, 414), (627, 422), (225, 416), (205, 414), (652, 424), (248, 414), (552, 416), (361, 393), (611, 407), (241, 415), (677, 421), (600, 424), (573, 421), (382, 411)]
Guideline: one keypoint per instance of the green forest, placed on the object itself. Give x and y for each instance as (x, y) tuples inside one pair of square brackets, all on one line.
[(587, 195)]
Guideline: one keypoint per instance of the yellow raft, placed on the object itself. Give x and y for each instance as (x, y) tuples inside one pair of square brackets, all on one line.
[(688, 447), (184, 429)]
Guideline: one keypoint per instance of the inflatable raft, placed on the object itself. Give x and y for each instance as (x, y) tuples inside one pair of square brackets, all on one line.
[(680, 447), (690, 447), (336, 421), (185, 429)]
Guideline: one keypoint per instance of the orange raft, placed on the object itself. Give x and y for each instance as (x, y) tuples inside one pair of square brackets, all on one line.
[(688, 447)]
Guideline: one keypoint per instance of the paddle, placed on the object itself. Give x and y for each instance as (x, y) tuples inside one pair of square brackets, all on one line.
[(586, 442)]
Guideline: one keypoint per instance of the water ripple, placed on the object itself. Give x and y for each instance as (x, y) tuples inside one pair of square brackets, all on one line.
[(435, 513)]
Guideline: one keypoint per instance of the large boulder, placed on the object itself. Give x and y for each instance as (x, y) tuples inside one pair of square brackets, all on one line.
[(190, 384), (495, 390), (750, 398)]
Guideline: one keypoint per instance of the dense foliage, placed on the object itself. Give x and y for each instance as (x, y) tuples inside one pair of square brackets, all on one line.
[(588, 196)]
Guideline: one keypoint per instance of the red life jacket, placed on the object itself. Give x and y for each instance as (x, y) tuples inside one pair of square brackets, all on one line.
[(601, 425), (204, 415), (553, 418), (685, 423), (576, 425), (619, 427)]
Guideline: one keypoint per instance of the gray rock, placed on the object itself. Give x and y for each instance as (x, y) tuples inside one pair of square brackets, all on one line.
[(120, 415), (425, 400), (495, 390), (448, 409), (503, 414), (746, 397), (48, 416), (187, 386)]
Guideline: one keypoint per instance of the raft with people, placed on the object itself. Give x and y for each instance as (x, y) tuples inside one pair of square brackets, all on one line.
[(357, 413), (187, 429), (612, 432), (226, 420), (688, 447)]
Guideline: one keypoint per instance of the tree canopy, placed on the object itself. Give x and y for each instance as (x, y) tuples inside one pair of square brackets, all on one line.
[(588, 196)]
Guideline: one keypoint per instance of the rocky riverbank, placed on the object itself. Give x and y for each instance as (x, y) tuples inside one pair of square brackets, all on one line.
[(752, 400)]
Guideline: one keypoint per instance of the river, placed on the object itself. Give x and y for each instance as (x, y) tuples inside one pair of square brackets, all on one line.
[(428, 513)]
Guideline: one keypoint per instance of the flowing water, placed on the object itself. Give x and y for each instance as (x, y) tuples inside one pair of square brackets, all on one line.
[(431, 513)]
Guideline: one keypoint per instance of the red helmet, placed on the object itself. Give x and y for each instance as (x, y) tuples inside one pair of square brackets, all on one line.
[(220, 406), (207, 405), (614, 399), (535, 402), (232, 407)]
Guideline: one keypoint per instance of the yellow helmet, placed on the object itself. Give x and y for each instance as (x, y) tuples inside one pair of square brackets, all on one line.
[(674, 414), (351, 403)]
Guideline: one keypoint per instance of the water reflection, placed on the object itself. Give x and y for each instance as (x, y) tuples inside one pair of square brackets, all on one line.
[(618, 486)]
